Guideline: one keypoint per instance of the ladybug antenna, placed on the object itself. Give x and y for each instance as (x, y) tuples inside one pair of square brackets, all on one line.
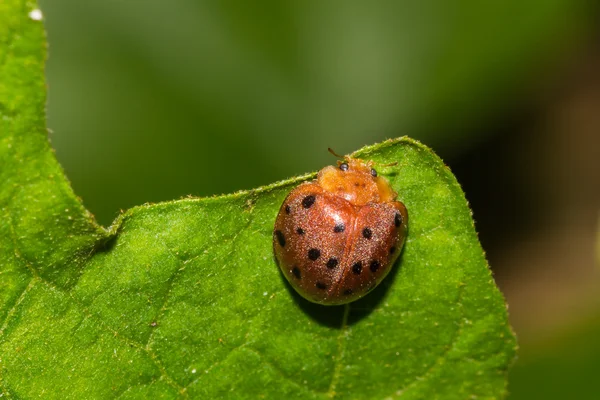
[(388, 165), (334, 153)]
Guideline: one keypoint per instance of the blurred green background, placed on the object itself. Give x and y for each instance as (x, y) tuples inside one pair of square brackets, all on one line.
[(154, 100)]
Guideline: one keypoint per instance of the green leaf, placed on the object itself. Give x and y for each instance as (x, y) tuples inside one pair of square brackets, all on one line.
[(184, 298)]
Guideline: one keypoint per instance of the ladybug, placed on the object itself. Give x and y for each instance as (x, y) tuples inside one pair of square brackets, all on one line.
[(337, 237)]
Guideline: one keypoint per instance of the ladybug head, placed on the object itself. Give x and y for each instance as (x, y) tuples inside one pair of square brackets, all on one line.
[(356, 181)]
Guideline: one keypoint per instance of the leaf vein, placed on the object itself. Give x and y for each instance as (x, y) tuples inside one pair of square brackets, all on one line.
[(341, 349), (18, 301)]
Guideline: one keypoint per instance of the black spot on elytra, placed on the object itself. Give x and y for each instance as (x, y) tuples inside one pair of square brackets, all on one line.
[(280, 238), (374, 266), (357, 268), (288, 209), (398, 220), (321, 285), (367, 233), (392, 249), (297, 273), (300, 231), (344, 166), (332, 263), (314, 254), (348, 292), (308, 201), (339, 227)]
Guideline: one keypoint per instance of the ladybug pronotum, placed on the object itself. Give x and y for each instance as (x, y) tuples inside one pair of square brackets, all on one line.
[(337, 237)]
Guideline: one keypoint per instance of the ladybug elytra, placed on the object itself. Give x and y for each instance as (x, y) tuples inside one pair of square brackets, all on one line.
[(337, 237)]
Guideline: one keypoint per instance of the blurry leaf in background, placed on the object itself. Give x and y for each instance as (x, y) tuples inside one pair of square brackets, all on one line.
[(548, 270), (155, 100), (563, 367)]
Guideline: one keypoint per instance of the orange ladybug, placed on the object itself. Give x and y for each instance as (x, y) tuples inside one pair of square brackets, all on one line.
[(337, 237)]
